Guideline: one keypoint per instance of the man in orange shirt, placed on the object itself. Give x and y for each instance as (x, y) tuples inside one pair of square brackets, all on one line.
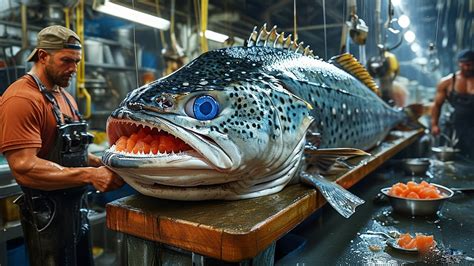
[(458, 89), (44, 140)]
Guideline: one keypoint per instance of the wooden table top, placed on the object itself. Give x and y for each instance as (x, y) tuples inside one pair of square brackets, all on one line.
[(235, 230)]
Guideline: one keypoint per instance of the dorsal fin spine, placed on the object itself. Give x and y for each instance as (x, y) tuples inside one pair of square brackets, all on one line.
[(253, 37), (287, 42), (277, 40), (273, 34), (280, 40)]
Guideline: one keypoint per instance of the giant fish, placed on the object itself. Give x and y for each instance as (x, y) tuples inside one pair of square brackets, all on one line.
[(244, 122)]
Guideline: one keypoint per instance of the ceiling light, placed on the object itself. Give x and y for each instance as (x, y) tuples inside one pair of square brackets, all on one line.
[(415, 47), (404, 21), (215, 36), (409, 36), (107, 7)]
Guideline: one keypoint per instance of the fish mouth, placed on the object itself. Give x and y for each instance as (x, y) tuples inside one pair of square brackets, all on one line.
[(141, 139), (138, 143)]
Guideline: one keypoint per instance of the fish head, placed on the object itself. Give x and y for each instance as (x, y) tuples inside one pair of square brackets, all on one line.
[(221, 118)]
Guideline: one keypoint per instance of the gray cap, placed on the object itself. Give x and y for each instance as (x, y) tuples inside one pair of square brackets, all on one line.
[(55, 38), (466, 56)]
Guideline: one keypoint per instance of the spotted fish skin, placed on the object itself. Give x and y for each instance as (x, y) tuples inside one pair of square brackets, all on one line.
[(269, 100), (346, 113)]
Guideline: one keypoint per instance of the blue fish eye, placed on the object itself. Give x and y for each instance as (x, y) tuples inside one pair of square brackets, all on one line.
[(205, 107)]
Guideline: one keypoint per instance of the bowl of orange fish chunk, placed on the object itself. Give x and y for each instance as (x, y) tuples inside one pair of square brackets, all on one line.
[(421, 243), (417, 198)]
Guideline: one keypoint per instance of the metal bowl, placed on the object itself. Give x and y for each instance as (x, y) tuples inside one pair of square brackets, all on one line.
[(416, 166), (444, 153), (419, 206)]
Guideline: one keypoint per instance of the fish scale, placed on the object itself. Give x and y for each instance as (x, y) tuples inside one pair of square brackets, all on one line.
[(269, 98), (325, 86)]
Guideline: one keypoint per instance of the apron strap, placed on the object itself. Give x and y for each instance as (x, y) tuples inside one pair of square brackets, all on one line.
[(49, 97), (454, 81), (52, 100), (73, 110)]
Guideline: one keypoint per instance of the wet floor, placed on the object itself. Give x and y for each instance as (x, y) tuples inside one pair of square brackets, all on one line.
[(326, 237)]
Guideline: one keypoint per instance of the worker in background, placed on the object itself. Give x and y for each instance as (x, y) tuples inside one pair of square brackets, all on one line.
[(45, 140), (458, 89)]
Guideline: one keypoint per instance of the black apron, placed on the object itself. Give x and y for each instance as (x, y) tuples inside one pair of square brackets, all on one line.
[(55, 223), (462, 121)]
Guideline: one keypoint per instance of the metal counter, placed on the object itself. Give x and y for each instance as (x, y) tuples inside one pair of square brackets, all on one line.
[(8, 186), (8, 230), (328, 239)]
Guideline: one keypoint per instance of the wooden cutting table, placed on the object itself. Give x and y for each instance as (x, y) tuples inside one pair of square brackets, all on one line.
[(157, 230)]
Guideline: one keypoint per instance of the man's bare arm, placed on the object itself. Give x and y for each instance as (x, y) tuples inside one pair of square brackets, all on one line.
[(440, 97), (34, 172)]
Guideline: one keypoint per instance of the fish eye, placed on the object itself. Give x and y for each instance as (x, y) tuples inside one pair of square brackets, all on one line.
[(203, 107)]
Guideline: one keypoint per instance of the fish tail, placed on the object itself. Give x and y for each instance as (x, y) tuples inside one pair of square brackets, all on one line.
[(415, 111)]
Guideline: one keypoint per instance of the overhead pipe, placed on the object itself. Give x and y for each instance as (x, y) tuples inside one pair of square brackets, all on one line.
[(204, 9), (67, 21), (24, 25)]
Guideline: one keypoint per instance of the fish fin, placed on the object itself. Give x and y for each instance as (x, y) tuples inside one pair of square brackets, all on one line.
[(343, 201), (351, 65), (274, 39), (339, 152), (413, 113), (333, 161)]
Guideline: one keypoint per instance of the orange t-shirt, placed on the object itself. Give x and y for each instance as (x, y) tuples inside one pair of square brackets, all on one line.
[(27, 119)]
